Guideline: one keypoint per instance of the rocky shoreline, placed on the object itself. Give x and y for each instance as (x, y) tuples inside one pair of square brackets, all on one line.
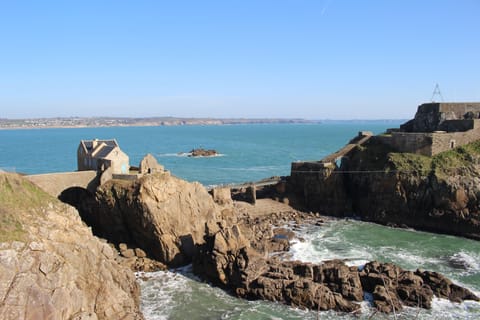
[(159, 221), (243, 247)]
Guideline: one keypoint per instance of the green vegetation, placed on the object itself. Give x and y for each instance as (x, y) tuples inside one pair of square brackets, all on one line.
[(409, 162), (371, 156), (375, 156), (17, 197)]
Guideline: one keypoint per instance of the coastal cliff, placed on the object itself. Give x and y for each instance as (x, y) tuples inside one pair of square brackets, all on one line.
[(238, 246), (439, 193), (51, 266)]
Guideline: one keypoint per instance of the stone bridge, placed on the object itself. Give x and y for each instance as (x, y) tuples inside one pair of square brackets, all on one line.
[(55, 183)]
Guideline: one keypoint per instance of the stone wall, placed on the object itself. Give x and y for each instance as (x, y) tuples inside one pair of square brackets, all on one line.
[(457, 125), (420, 143), (321, 186), (459, 109), (431, 116), (429, 144), (446, 141)]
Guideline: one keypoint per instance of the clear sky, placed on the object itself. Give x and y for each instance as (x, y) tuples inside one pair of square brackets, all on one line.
[(319, 59)]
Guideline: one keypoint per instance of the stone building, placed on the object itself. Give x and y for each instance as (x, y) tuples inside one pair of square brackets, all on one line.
[(102, 154), (436, 127)]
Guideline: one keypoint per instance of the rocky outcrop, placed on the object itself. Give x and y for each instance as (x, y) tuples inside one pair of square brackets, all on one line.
[(232, 245), (51, 266), (228, 260), (392, 287), (439, 194), (149, 165), (159, 213)]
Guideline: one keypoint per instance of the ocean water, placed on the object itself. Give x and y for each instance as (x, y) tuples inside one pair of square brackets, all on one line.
[(247, 152), (250, 153)]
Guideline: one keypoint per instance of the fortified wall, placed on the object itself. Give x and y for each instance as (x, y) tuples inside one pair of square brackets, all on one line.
[(437, 127)]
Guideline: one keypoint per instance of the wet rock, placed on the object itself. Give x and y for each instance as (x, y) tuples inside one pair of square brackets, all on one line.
[(442, 287)]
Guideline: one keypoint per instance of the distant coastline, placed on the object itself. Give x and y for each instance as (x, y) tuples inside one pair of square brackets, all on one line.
[(86, 122)]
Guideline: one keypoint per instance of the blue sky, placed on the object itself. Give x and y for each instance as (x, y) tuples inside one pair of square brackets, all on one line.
[(323, 59)]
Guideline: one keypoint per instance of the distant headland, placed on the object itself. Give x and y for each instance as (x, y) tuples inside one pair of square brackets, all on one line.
[(81, 122)]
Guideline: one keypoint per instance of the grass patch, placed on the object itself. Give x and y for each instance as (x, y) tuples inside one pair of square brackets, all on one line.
[(18, 199), (376, 156), (409, 162), (372, 156), (17, 192)]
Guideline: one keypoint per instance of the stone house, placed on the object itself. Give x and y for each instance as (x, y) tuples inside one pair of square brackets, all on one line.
[(100, 155)]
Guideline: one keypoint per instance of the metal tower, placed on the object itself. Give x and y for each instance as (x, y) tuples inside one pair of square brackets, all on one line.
[(436, 92)]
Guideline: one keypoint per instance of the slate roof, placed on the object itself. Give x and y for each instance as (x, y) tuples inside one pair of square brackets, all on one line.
[(106, 147)]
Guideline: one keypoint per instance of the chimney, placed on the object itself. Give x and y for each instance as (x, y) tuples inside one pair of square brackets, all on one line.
[(94, 143)]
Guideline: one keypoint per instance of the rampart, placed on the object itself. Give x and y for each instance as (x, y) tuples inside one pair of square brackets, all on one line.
[(55, 183), (432, 143), (411, 142)]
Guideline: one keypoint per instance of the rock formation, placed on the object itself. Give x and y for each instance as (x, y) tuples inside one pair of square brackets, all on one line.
[(228, 260), (231, 245), (203, 153), (439, 193), (161, 214), (149, 165), (51, 266)]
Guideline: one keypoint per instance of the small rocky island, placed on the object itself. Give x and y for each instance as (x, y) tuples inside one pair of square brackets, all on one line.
[(200, 152)]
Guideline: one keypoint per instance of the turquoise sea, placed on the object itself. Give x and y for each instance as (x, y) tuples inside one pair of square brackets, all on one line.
[(247, 152), (250, 153)]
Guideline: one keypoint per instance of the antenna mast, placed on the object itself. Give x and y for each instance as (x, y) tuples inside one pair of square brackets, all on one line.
[(436, 92)]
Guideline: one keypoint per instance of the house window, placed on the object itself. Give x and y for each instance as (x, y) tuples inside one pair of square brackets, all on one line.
[(452, 144)]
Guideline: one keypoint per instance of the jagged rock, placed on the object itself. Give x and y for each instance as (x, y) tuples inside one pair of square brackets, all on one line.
[(149, 165), (228, 260), (177, 222), (52, 267), (444, 288), (159, 213), (393, 287)]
